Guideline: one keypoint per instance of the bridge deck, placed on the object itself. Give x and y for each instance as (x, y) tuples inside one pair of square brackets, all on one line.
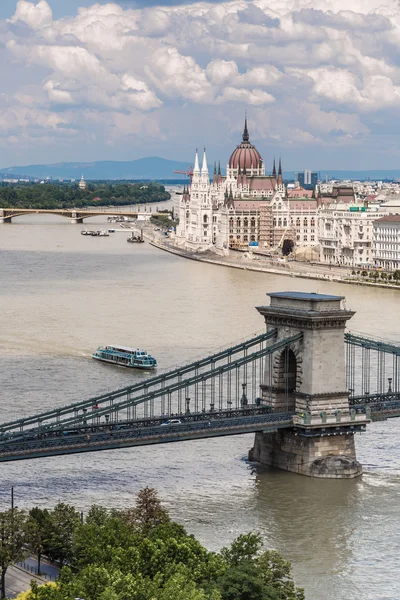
[(128, 434)]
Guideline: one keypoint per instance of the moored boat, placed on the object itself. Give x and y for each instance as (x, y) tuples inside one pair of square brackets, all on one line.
[(125, 356), (135, 238)]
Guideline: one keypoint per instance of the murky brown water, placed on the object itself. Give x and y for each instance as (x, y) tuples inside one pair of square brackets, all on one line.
[(63, 294)]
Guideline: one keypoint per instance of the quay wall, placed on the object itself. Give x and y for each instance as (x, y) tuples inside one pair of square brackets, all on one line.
[(250, 266)]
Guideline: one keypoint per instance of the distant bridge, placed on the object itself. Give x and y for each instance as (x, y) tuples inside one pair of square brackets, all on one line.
[(76, 215)]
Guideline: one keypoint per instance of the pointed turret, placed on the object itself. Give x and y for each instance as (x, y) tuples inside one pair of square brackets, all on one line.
[(274, 170), (219, 167), (245, 131), (196, 163), (204, 168), (280, 178), (230, 203)]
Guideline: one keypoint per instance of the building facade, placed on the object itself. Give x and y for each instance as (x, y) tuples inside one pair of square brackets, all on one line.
[(245, 206), (386, 242), (345, 234)]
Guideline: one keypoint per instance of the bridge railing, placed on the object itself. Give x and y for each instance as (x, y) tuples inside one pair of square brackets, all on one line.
[(372, 365), (84, 409)]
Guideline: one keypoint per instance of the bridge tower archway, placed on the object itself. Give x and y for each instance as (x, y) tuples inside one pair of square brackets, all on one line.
[(308, 380), (287, 379)]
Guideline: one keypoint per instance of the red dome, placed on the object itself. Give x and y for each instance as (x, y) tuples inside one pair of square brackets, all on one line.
[(245, 154)]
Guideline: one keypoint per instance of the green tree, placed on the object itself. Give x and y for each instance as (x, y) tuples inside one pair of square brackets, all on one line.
[(244, 583), (147, 512), (12, 542), (39, 525), (65, 520), (98, 539), (243, 549), (275, 571)]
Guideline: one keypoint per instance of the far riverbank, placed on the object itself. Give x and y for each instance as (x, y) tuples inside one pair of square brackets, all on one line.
[(238, 260)]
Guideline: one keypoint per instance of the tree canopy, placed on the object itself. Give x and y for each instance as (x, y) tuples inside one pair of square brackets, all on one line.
[(59, 196), (140, 554)]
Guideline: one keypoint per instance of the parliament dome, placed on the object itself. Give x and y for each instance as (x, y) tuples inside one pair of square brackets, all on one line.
[(245, 156)]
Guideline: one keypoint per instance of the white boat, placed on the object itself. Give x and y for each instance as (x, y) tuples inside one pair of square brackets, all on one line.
[(125, 357)]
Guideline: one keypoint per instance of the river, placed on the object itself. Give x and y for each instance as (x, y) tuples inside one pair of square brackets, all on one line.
[(63, 294)]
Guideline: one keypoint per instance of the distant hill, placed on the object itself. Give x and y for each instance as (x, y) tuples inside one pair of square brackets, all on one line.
[(143, 168), (158, 168)]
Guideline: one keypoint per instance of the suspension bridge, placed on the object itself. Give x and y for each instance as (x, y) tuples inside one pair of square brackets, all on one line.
[(304, 388)]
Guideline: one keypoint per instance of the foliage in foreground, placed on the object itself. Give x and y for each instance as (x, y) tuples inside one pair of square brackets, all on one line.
[(140, 554)]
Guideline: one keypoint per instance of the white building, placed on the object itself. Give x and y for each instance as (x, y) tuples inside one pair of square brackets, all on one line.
[(345, 234), (82, 184), (244, 206), (386, 242)]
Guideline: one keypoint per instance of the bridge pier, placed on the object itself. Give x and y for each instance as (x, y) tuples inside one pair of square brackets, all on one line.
[(3, 217), (76, 218), (330, 456), (309, 378)]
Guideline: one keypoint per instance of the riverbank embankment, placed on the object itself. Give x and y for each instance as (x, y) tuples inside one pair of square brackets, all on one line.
[(238, 260)]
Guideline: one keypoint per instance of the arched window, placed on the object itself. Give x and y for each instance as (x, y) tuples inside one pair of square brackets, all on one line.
[(274, 222), (312, 222), (279, 222), (253, 238), (205, 219), (245, 238), (305, 223), (253, 222), (187, 214), (246, 222), (284, 222), (298, 222), (238, 222)]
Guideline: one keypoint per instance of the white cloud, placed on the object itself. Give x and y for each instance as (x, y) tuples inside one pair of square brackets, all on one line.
[(312, 71)]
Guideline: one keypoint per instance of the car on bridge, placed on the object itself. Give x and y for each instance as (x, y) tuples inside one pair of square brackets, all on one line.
[(171, 422)]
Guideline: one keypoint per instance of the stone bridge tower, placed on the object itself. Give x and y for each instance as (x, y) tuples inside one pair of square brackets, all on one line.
[(309, 378)]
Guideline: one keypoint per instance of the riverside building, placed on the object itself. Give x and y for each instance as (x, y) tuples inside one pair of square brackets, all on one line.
[(345, 234), (245, 206), (386, 242)]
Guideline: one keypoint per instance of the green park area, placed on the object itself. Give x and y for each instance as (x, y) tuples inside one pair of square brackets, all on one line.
[(138, 554)]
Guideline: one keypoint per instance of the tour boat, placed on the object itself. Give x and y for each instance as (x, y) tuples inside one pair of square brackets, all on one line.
[(125, 357)]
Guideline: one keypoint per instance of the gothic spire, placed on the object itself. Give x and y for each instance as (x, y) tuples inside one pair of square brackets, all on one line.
[(274, 170), (196, 163), (204, 168), (219, 167), (280, 178), (245, 131)]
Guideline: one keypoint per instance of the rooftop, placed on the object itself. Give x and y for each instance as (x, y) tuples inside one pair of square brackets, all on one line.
[(389, 219), (305, 296)]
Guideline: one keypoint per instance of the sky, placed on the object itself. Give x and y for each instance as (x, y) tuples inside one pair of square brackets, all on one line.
[(84, 81)]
